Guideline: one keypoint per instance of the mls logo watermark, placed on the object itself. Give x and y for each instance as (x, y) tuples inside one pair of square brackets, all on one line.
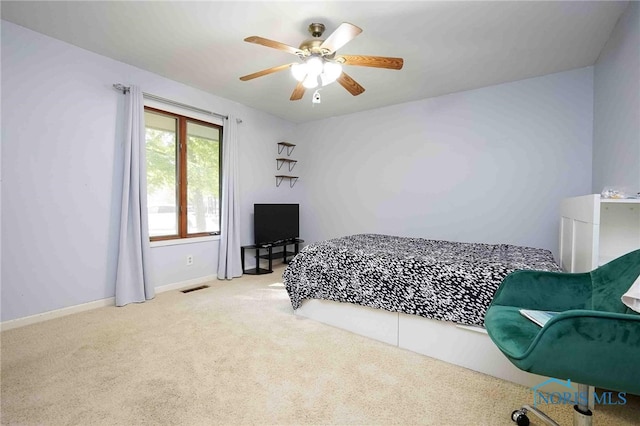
[(572, 396)]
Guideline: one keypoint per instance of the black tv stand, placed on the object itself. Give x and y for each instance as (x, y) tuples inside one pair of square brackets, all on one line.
[(284, 254)]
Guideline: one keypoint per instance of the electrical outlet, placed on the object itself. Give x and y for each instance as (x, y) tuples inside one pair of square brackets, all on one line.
[(189, 259)]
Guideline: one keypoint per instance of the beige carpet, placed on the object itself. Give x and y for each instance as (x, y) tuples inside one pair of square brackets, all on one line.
[(235, 354)]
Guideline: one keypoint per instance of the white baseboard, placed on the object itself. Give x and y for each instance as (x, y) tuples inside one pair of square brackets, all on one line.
[(109, 301), (56, 313)]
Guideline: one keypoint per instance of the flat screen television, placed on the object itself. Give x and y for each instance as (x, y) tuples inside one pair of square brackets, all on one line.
[(274, 223)]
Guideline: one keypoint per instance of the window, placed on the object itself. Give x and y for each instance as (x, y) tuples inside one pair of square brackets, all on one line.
[(183, 175)]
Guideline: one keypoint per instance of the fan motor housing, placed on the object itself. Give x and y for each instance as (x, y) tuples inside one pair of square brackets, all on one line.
[(312, 45), (316, 29)]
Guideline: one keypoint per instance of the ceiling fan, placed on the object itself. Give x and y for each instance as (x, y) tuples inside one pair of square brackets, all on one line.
[(320, 63)]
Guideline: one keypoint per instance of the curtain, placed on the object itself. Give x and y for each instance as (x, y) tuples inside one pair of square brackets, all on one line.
[(229, 252), (132, 278)]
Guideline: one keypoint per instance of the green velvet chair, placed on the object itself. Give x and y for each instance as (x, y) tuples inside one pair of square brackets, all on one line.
[(594, 340)]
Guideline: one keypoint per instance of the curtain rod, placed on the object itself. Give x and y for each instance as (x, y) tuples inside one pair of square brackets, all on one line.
[(125, 89)]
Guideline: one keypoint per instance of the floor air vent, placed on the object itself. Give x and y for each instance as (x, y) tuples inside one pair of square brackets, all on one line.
[(189, 290)]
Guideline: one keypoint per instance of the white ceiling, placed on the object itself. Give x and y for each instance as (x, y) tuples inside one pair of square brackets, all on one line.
[(447, 46)]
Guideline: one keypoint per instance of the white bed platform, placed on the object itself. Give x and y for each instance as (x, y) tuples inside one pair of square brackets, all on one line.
[(466, 346), (593, 231)]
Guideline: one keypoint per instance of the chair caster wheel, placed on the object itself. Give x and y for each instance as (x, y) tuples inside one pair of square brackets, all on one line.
[(520, 417)]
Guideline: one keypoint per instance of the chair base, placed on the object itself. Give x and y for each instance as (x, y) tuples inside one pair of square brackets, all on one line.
[(582, 415), (521, 419), (580, 418)]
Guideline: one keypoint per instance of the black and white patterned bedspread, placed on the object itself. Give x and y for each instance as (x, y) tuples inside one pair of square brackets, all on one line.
[(443, 280)]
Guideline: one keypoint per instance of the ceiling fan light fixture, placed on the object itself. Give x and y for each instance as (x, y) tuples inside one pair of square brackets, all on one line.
[(332, 71), (311, 81), (325, 79), (315, 65), (299, 71)]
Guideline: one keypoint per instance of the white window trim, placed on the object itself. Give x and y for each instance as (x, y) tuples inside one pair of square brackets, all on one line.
[(184, 112), (178, 241)]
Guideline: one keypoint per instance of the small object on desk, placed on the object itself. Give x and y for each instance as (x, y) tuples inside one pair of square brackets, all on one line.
[(538, 317), (617, 193)]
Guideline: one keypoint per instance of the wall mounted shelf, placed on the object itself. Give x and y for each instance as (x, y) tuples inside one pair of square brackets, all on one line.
[(292, 180), (287, 145), (281, 161), (291, 163)]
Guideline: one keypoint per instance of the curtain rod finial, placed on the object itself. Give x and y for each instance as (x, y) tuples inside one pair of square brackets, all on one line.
[(124, 89)]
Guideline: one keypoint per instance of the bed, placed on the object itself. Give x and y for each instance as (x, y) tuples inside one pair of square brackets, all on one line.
[(428, 296)]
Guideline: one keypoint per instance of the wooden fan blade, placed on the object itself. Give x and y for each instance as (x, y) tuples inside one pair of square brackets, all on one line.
[(341, 36), (350, 84), (265, 72), (298, 92), (373, 61), (273, 44)]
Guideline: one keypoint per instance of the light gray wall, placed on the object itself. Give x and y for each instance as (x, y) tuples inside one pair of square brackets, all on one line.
[(616, 134), (488, 165), (60, 196)]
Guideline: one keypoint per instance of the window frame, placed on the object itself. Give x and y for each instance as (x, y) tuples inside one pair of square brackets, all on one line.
[(181, 175)]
